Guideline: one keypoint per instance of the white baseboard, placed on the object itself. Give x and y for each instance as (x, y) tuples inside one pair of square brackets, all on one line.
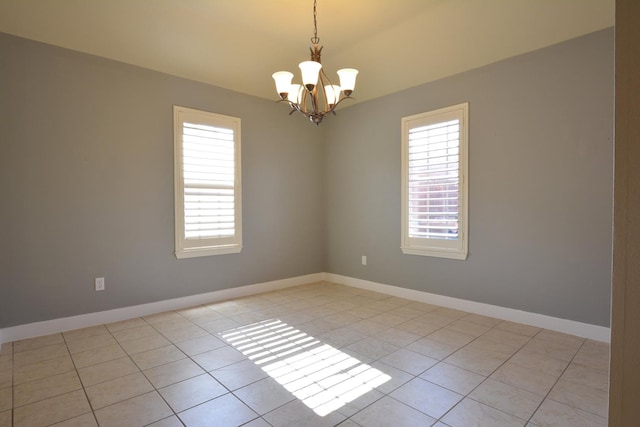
[(46, 327), (30, 330), (585, 330)]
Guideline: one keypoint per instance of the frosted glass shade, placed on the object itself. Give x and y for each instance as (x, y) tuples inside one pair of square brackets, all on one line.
[(348, 80), (332, 93), (295, 94), (310, 71), (283, 82)]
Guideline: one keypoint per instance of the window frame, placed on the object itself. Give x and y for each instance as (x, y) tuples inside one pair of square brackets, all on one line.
[(442, 248), (184, 248)]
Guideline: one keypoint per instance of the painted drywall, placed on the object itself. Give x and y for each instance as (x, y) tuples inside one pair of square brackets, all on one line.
[(540, 182), (86, 172)]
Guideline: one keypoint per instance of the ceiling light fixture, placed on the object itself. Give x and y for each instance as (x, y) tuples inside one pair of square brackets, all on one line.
[(316, 97)]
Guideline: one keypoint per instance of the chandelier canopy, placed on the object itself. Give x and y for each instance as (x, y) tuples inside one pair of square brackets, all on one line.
[(317, 96)]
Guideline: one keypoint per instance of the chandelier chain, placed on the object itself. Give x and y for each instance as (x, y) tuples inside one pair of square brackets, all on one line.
[(315, 39)]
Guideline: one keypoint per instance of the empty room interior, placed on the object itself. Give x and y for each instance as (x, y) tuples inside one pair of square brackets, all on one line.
[(339, 269)]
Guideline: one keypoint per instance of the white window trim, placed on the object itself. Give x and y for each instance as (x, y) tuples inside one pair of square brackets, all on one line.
[(434, 247), (212, 246)]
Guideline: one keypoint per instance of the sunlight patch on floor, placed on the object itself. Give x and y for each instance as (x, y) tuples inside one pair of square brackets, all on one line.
[(321, 376)]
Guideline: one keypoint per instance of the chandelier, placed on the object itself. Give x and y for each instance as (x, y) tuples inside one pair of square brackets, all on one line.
[(316, 97)]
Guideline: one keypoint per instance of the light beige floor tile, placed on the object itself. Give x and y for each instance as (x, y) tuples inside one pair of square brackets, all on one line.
[(97, 355), (219, 325), (368, 327), (389, 319), (158, 356), (587, 376), (341, 337), (117, 390), (5, 419), (453, 378), (84, 333), (296, 413), (6, 349), (372, 347), (553, 349), (45, 388), (39, 370), (470, 413), (52, 410), (505, 337), (264, 396), (524, 379), (216, 359), (138, 411), (538, 362), (171, 373), (226, 410), (389, 412), (468, 328), (449, 336), (554, 414), (39, 354), (354, 405), (518, 328), (398, 377), (431, 348), (593, 354), (239, 374), (106, 371), (134, 333), (409, 361), (580, 396), (427, 397), (192, 392), (407, 312), (172, 421), (482, 362), (6, 376), (449, 313), (6, 398), (126, 324), (506, 398), (145, 344), (33, 343), (200, 345), (162, 317), (482, 320), (259, 422), (86, 420), (89, 343), (560, 338), (186, 333), (398, 337)]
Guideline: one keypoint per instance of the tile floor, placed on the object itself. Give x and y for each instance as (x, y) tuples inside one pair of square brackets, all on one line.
[(356, 357)]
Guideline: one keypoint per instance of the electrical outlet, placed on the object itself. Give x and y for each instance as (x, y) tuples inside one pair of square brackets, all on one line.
[(99, 283), (364, 260)]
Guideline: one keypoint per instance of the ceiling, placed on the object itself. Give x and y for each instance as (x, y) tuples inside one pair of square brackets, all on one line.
[(238, 44)]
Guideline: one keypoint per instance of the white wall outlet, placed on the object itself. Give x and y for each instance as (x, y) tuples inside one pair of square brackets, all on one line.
[(364, 260), (99, 283)]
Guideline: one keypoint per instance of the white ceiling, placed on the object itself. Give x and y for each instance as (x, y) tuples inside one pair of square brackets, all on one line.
[(238, 44)]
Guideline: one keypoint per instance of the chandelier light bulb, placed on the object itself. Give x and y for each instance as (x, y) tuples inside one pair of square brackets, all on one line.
[(283, 82), (348, 80)]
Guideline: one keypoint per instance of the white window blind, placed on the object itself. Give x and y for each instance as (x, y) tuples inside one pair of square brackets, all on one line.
[(434, 187), (207, 187), (433, 180)]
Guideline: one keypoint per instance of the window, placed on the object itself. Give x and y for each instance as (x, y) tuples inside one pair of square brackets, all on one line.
[(434, 183), (207, 183)]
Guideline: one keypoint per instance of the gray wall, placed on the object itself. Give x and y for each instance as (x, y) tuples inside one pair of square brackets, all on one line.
[(86, 185), (541, 156), (86, 172)]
